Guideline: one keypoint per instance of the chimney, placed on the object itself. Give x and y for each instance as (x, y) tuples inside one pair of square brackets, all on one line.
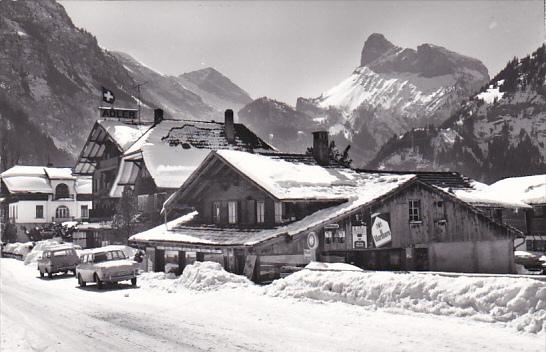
[(229, 128), (158, 116), (320, 147)]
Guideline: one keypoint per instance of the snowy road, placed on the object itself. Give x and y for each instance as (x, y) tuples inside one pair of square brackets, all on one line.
[(55, 315)]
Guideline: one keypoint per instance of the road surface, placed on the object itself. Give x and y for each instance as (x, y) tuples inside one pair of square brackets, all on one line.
[(55, 315)]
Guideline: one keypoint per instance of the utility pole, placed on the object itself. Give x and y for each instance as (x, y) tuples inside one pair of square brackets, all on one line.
[(138, 98)]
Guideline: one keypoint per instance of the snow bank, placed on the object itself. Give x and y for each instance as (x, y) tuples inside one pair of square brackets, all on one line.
[(332, 266), (520, 303), (39, 248), (18, 249), (200, 276)]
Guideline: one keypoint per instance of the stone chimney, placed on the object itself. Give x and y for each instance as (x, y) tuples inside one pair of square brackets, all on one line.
[(320, 147), (229, 127), (158, 116)]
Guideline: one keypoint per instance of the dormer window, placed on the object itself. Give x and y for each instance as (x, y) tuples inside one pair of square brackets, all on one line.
[(61, 191)]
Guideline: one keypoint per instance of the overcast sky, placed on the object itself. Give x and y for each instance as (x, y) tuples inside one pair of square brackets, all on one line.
[(284, 50)]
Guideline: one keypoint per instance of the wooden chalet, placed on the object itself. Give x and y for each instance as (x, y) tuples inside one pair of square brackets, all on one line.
[(269, 213), (101, 156), (159, 162)]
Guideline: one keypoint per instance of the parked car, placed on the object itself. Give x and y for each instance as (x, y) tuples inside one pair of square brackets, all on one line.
[(106, 265), (58, 259)]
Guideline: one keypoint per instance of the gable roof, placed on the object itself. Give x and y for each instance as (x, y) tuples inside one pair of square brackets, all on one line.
[(122, 133), (291, 177), (464, 188), (173, 149), (380, 187), (365, 191), (37, 179)]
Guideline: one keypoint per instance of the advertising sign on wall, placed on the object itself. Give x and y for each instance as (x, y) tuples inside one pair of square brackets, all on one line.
[(381, 232), (359, 237)]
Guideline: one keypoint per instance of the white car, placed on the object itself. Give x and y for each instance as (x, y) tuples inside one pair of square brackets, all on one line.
[(104, 264)]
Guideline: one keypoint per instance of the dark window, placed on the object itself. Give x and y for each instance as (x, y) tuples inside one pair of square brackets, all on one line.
[(538, 211), (39, 212), (85, 211), (61, 191), (414, 210)]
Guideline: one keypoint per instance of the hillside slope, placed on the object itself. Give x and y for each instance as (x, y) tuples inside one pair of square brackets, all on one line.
[(499, 132)]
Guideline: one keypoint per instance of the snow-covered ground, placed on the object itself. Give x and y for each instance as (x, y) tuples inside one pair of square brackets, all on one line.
[(220, 312)]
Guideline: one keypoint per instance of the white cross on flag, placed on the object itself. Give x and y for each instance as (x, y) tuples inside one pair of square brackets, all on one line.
[(108, 96)]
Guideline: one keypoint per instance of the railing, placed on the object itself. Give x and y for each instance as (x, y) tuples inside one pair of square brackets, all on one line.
[(56, 219)]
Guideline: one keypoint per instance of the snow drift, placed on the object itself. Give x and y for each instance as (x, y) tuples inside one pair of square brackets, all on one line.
[(39, 248), (520, 303), (200, 276)]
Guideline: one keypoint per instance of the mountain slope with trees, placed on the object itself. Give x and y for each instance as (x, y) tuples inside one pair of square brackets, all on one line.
[(499, 132)]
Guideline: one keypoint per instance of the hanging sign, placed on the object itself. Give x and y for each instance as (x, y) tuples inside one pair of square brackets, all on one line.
[(381, 232), (118, 113)]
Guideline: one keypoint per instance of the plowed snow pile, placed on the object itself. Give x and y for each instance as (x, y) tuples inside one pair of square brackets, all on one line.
[(200, 276), (39, 248), (520, 303)]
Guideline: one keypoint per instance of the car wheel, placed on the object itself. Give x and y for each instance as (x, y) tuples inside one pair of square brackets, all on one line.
[(133, 281), (41, 274), (80, 281), (98, 282), (49, 274)]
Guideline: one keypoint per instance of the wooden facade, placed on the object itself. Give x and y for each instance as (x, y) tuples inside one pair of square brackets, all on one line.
[(440, 232)]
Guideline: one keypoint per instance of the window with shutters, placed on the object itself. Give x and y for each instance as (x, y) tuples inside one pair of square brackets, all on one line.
[(232, 212), (260, 212), (216, 208)]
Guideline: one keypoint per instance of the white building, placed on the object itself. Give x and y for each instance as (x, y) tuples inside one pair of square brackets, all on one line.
[(37, 195)]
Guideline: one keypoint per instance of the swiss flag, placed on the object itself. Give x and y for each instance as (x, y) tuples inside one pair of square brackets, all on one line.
[(108, 96)]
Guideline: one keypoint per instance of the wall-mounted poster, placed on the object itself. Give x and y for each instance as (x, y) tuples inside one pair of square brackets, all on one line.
[(381, 232), (359, 237)]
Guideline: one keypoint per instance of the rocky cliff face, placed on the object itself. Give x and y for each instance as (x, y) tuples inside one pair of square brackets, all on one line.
[(166, 91), (497, 133), (394, 90), (52, 73), (215, 89)]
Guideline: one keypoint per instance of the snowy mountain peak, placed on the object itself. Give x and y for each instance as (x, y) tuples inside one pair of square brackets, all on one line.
[(375, 46), (394, 90)]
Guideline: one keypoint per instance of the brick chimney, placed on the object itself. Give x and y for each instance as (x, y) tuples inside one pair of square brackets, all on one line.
[(320, 147), (158, 116), (229, 127)]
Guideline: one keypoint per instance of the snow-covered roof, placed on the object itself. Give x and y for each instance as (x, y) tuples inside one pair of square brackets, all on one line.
[(94, 226), (528, 189), (37, 179), (84, 185), (27, 184), (364, 190), (122, 133), (297, 179), (173, 149), (480, 194)]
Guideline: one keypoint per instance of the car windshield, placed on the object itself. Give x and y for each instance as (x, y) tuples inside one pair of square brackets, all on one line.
[(107, 256), (62, 253)]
